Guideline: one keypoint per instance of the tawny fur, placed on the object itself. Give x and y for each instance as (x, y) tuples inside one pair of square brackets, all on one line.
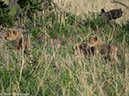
[(84, 50), (109, 51), (21, 43)]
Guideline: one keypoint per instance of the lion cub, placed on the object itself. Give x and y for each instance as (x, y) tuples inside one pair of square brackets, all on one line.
[(21, 43), (84, 50), (109, 51)]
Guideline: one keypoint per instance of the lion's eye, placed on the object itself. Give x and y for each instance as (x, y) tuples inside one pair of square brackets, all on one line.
[(8, 34)]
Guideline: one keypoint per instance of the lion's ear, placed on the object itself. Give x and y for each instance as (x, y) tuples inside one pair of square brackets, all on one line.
[(95, 38), (14, 32), (102, 10)]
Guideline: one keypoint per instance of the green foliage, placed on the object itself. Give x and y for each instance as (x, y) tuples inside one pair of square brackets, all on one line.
[(13, 10), (2, 5), (5, 19), (23, 3), (30, 7), (8, 16)]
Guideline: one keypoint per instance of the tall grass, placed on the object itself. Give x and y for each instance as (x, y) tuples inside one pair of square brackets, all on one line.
[(56, 71)]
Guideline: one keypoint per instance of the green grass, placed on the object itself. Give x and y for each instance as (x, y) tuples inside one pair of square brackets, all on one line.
[(55, 71)]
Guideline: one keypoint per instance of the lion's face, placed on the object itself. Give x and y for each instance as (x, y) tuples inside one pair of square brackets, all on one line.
[(92, 41), (11, 35)]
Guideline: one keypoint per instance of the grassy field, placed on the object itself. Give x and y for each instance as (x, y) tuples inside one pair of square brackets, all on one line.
[(54, 69)]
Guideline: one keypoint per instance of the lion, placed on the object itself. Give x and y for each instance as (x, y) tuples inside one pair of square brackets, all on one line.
[(84, 50), (108, 51), (112, 14), (21, 43)]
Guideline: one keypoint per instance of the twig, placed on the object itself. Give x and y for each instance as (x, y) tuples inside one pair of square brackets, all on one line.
[(112, 1)]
